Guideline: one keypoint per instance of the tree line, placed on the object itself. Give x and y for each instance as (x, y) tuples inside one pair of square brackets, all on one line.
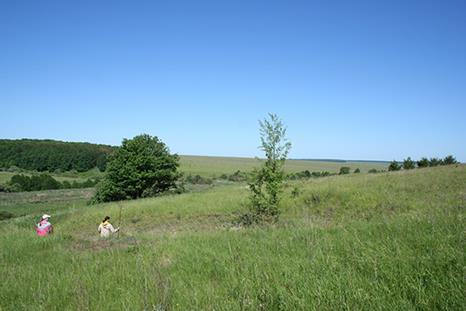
[(409, 164), (52, 155), (44, 181)]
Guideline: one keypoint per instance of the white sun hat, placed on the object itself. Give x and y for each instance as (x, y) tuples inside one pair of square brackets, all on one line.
[(45, 216)]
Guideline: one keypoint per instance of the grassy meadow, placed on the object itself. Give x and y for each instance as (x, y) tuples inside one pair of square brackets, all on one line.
[(207, 166), (386, 241), (215, 166)]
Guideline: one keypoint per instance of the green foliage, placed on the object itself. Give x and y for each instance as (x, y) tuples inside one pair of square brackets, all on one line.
[(344, 170), (267, 181), (50, 155), (44, 181), (408, 164), (6, 215), (141, 167), (435, 162), (394, 166), (306, 175), (449, 160), (356, 171), (33, 183), (423, 162)]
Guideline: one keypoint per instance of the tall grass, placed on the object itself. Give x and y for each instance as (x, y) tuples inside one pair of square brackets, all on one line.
[(388, 241)]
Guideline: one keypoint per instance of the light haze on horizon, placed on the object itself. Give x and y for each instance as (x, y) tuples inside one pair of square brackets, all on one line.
[(350, 79)]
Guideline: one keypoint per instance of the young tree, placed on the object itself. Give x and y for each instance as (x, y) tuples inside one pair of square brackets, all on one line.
[(408, 164), (435, 162), (394, 166), (268, 180), (424, 162), (449, 160), (141, 167)]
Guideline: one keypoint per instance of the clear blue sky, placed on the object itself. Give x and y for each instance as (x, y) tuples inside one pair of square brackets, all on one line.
[(377, 80)]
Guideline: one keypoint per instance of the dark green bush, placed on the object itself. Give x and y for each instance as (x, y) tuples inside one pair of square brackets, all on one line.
[(408, 164), (344, 170), (394, 166), (44, 181), (435, 162), (424, 162), (449, 160), (6, 215), (141, 167)]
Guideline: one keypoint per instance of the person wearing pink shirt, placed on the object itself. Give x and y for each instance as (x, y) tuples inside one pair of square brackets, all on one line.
[(44, 227)]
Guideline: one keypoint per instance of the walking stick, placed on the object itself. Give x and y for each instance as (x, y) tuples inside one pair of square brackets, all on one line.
[(119, 221)]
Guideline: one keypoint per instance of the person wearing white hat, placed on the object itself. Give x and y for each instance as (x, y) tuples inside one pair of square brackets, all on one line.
[(44, 227)]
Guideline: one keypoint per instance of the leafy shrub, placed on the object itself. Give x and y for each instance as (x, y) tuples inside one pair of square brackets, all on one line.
[(449, 160), (320, 174), (373, 171), (357, 170), (44, 181), (344, 170), (141, 167), (394, 166), (34, 183), (6, 215), (435, 162), (408, 164), (424, 162)]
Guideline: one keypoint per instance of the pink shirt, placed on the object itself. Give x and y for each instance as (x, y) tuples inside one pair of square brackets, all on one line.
[(43, 227)]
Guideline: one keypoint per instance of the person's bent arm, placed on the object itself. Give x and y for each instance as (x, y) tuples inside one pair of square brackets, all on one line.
[(113, 230)]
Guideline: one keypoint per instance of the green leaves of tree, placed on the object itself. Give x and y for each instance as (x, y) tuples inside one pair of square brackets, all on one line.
[(141, 167), (267, 183)]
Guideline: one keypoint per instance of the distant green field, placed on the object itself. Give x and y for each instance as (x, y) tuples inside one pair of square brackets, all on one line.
[(215, 166), (387, 241)]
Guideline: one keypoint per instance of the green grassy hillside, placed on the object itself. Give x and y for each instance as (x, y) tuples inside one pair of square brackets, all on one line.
[(391, 241)]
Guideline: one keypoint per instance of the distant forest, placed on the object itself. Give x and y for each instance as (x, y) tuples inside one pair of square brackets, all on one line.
[(52, 155)]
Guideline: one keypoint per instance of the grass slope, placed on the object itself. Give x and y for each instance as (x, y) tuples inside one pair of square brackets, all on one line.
[(392, 241)]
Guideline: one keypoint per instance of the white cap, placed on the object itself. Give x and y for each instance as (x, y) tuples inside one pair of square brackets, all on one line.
[(45, 216)]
